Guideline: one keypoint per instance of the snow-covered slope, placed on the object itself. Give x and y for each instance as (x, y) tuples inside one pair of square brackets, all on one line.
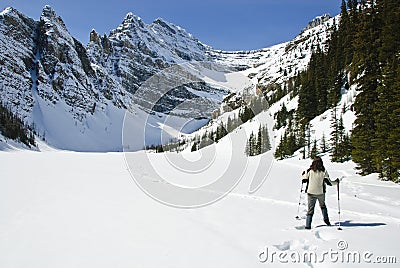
[(278, 63), (94, 215)]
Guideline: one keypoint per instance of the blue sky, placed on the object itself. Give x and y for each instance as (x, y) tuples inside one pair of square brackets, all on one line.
[(222, 24)]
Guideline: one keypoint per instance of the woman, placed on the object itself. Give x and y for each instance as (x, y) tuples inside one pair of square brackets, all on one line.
[(316, 177)]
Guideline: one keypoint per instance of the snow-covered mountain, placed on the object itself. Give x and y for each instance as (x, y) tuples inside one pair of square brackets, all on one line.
[(75, 96)]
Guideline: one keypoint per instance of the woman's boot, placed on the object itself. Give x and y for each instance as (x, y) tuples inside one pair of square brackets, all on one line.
[(326, 217), (308, 221)]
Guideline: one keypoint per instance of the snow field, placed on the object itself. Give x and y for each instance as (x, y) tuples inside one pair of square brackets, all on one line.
[(67, 209)]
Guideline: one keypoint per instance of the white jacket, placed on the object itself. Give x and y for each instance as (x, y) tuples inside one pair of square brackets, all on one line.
[(316, 183)]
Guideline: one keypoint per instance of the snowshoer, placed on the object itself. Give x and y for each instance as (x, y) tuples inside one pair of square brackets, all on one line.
[(316, 178)]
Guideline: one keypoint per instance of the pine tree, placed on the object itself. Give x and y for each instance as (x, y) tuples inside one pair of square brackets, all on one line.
[(323, 145), (347, 147), (345, 37), (301, 136), (307, 94), (343, 145), (266, 143), (291, 146), (247, 149), (314, 150), (229, 125), (259, 141), (279, 153), (334, 141), (194, 147), (321, 84), (366, 65), (251, 144), (308, 139)]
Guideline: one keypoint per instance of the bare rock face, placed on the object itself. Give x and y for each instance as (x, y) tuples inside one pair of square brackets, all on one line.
[(63, 67), (16, 60)]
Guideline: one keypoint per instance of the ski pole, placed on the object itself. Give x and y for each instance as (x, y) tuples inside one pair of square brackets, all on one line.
[(298, 207), (338, 198)]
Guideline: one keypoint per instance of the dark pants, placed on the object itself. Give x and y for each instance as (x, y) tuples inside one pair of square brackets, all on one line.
[(312, 199)]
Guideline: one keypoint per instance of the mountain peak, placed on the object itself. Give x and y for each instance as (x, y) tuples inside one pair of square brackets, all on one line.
[(48, 12), (10, 11), (160, 20), (51, 19), (7, 10), (130, 16), (317, 21), (132, 19), (94, 36)]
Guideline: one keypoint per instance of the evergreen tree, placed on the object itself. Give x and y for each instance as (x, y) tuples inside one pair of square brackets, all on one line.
[(279, 152), (314, 150), (323, 145), (307, 95), (194, 147), (308, 139), (334, 141), (343, 145), (266, 143), (259, 141), (345, 36), (366, 65), (229, 125), (247, 149), (252, 144), (347, 147)]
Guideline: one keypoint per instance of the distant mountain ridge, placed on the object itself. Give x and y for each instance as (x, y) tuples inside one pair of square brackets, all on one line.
[(75, 96)]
